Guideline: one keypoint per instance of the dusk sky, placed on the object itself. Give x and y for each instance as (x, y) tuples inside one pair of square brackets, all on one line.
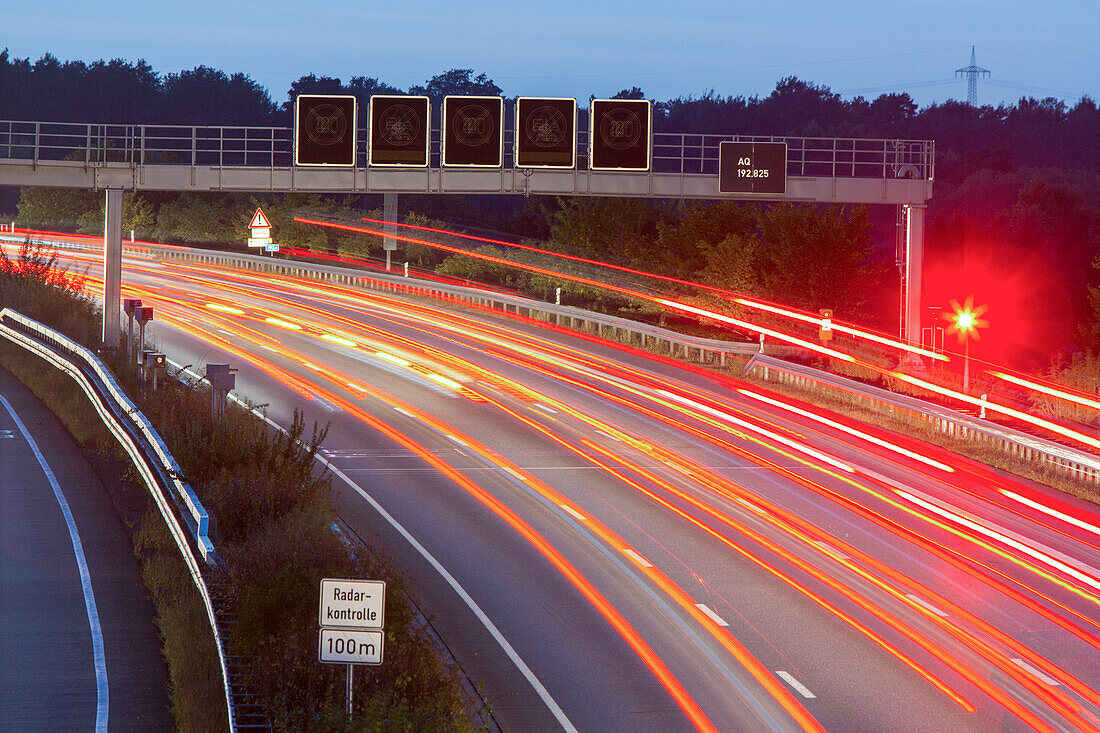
[(579, 48)]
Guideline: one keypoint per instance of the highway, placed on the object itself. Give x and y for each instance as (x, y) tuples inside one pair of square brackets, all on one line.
[(608, 540)]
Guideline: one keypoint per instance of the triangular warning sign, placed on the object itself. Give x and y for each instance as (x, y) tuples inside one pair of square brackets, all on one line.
[(259, 220)]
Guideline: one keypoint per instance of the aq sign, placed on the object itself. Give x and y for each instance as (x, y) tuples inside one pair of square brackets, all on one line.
[(752, 167)]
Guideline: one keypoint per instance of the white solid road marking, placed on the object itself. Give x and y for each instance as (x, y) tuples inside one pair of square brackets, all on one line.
[(511, 653), (515, 474), (637, 558), (750, 505), (456, 440), (102, 697), (325, 404), (920, 601), (830, 550), (713, 616), (574, 512), (800, 688), (1038, 673)]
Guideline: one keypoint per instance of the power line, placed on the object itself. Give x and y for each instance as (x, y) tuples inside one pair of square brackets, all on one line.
[(902, 86), (1032, 88), (1041, 58)]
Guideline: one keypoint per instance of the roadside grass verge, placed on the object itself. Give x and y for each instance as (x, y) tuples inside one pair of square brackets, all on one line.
[(274, 522)]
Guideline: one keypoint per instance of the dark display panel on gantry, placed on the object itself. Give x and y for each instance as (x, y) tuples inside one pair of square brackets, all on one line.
[(546, 132), (324, 129), (399, 130), (473, 131), (619, 134)]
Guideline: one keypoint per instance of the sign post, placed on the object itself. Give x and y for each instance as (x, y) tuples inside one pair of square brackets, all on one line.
[(351, 617), (259, 232), (825, 333)]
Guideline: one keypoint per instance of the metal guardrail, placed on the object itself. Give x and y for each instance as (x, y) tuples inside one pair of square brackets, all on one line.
[(141, 442), (1078, 464), (690, 348), (272, 147), (144, 435)]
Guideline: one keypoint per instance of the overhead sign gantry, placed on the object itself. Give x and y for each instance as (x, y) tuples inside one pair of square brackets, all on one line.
[(548, 151)]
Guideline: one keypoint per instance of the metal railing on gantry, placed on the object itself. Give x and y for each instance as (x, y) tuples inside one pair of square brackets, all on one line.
[(272, 147)]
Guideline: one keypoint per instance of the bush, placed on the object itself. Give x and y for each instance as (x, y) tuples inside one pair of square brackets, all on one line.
[(37, 287)]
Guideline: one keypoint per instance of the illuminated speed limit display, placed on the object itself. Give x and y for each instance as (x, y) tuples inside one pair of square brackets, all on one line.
[(473, 131), (324, 129), (618, 134)]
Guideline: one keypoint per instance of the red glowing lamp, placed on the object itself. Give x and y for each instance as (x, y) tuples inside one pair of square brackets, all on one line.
[(965, 320)]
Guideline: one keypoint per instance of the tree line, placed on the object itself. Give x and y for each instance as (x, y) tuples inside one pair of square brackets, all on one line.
[(1032, 132), (1014, 212)]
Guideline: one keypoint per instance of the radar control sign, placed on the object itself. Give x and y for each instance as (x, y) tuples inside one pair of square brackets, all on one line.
[(752, 167), (352, 603), (324, 129), (351, 620), (399, 130)]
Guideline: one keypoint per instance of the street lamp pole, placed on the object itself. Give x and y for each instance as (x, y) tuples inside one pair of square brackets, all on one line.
[(966, 368)]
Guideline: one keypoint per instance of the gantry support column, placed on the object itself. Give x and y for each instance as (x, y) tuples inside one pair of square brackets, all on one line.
[(112, 267), (389, 214), (914, 261)]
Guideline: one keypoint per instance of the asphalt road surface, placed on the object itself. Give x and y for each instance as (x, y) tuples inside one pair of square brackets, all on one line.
[(78, 648), (611, 541)]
